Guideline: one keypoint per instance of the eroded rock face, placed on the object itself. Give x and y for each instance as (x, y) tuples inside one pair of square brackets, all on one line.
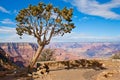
[(20, 53), (5, 62)]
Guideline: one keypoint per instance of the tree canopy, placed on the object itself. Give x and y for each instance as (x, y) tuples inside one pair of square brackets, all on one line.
[(44, 21)]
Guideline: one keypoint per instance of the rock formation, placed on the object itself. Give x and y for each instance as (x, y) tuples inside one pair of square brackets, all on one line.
[(20, 53), (5, 62)]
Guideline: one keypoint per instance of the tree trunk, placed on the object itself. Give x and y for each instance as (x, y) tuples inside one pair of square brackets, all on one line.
[(36, 56)]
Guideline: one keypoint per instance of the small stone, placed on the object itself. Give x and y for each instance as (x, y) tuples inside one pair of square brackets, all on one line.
[(38, 69), (110, 75), (103, 65), (29, 75), (105, 75)]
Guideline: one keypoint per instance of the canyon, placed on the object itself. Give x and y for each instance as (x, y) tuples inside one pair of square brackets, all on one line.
[(20, 53), (23, 52)]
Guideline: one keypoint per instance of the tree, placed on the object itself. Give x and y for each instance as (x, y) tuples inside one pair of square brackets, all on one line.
[(47, 55), (43, 22)]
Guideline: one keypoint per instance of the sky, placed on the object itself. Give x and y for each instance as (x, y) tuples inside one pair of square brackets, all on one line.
[(95, 20)]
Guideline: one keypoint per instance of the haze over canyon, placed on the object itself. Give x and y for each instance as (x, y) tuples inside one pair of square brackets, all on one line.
[(64, 50)]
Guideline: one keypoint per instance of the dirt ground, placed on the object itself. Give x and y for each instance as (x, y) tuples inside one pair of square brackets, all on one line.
[(74, 74), (112, 72)]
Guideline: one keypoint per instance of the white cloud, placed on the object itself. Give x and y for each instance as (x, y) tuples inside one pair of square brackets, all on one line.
[(7, 21), (85, 18), (80, 37), (16, 38), (8, 34), (93, 7), (2, 9), (5, 30)]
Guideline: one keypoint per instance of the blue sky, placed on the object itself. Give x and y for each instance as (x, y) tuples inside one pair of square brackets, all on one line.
[(95, 20)]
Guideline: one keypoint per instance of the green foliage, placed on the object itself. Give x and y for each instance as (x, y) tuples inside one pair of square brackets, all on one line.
[(116, 56), (47, 55), (44, 21)]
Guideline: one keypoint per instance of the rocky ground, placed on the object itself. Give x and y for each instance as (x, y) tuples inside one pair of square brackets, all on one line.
[(112, 72)]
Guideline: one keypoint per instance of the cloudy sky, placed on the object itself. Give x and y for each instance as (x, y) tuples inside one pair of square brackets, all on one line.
[(95, 20)]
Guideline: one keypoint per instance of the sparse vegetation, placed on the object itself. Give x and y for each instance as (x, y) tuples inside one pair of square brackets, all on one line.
[(74, 64), (116, 56), (47, 55)]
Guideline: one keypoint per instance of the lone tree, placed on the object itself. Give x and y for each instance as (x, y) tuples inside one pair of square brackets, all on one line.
[(43, 22)]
